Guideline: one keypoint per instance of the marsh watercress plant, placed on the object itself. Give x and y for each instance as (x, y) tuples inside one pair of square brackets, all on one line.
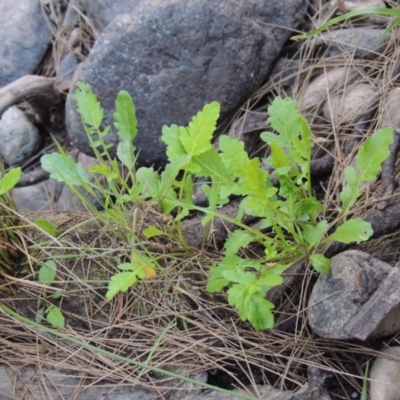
[(291, 227)]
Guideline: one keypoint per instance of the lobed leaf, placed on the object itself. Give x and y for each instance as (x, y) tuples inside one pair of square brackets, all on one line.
[(88, 106), (125, 117), (196, 138)]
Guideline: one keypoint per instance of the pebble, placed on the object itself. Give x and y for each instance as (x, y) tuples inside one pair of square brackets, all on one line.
[(385, 376), (19, 137)]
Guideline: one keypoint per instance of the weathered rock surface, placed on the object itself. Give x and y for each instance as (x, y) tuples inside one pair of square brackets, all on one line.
[(24, 38), (385, 376), (40, 197), (102, 12), (328, 83), (366, 43), (19, 138), (337, 297), (348, 107), (174, 59), (390, 112)]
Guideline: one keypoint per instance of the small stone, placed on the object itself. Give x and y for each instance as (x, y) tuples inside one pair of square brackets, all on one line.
[(19, 138), (353, 278), (390, 112), (385, 376), (325, 84), (39, 197), (364, 43), (67, 68), (348, 107)]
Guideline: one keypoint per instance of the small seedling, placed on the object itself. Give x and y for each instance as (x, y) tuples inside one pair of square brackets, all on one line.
[(53, 314)]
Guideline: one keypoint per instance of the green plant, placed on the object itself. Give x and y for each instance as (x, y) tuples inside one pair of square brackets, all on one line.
[(291, 227), (363, 11), (9, 241), (53, 314)]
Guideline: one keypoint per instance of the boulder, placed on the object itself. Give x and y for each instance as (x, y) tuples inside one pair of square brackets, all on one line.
[(174, 58), (24, 37)]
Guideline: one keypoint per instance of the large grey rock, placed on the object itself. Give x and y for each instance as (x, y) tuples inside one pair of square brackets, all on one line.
[(24, 38), (19, 138), (337, 297), (174, 58)]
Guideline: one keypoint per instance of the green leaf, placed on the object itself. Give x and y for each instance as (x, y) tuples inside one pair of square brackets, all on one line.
[(126, 154), (216, 282), (57, 294), (320, 263), (369, 159), (252, 307), (65, 169), (10, 179), (239, 275), (48, 272), (270, 277), (170, 136), (152, 231), (196, 138), (353, 230), (88, 106), (55, 317), (373, 153), (124, 280), (313, 234), (237, 240), (46, 226), (233, 155), (125, 117)]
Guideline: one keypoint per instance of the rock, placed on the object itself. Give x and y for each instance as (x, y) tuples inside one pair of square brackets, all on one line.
[(102, 12), (323, 85), (380, 315), (337, 297), (348, 107), (40, 197), (19, 138), (67, 68), (365, 43), (174, 59), (385, 376), (24, 38), (353, 5), (390, 112)]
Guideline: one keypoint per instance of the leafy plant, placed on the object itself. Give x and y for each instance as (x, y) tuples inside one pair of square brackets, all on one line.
[(53, 314), (291, 226)]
